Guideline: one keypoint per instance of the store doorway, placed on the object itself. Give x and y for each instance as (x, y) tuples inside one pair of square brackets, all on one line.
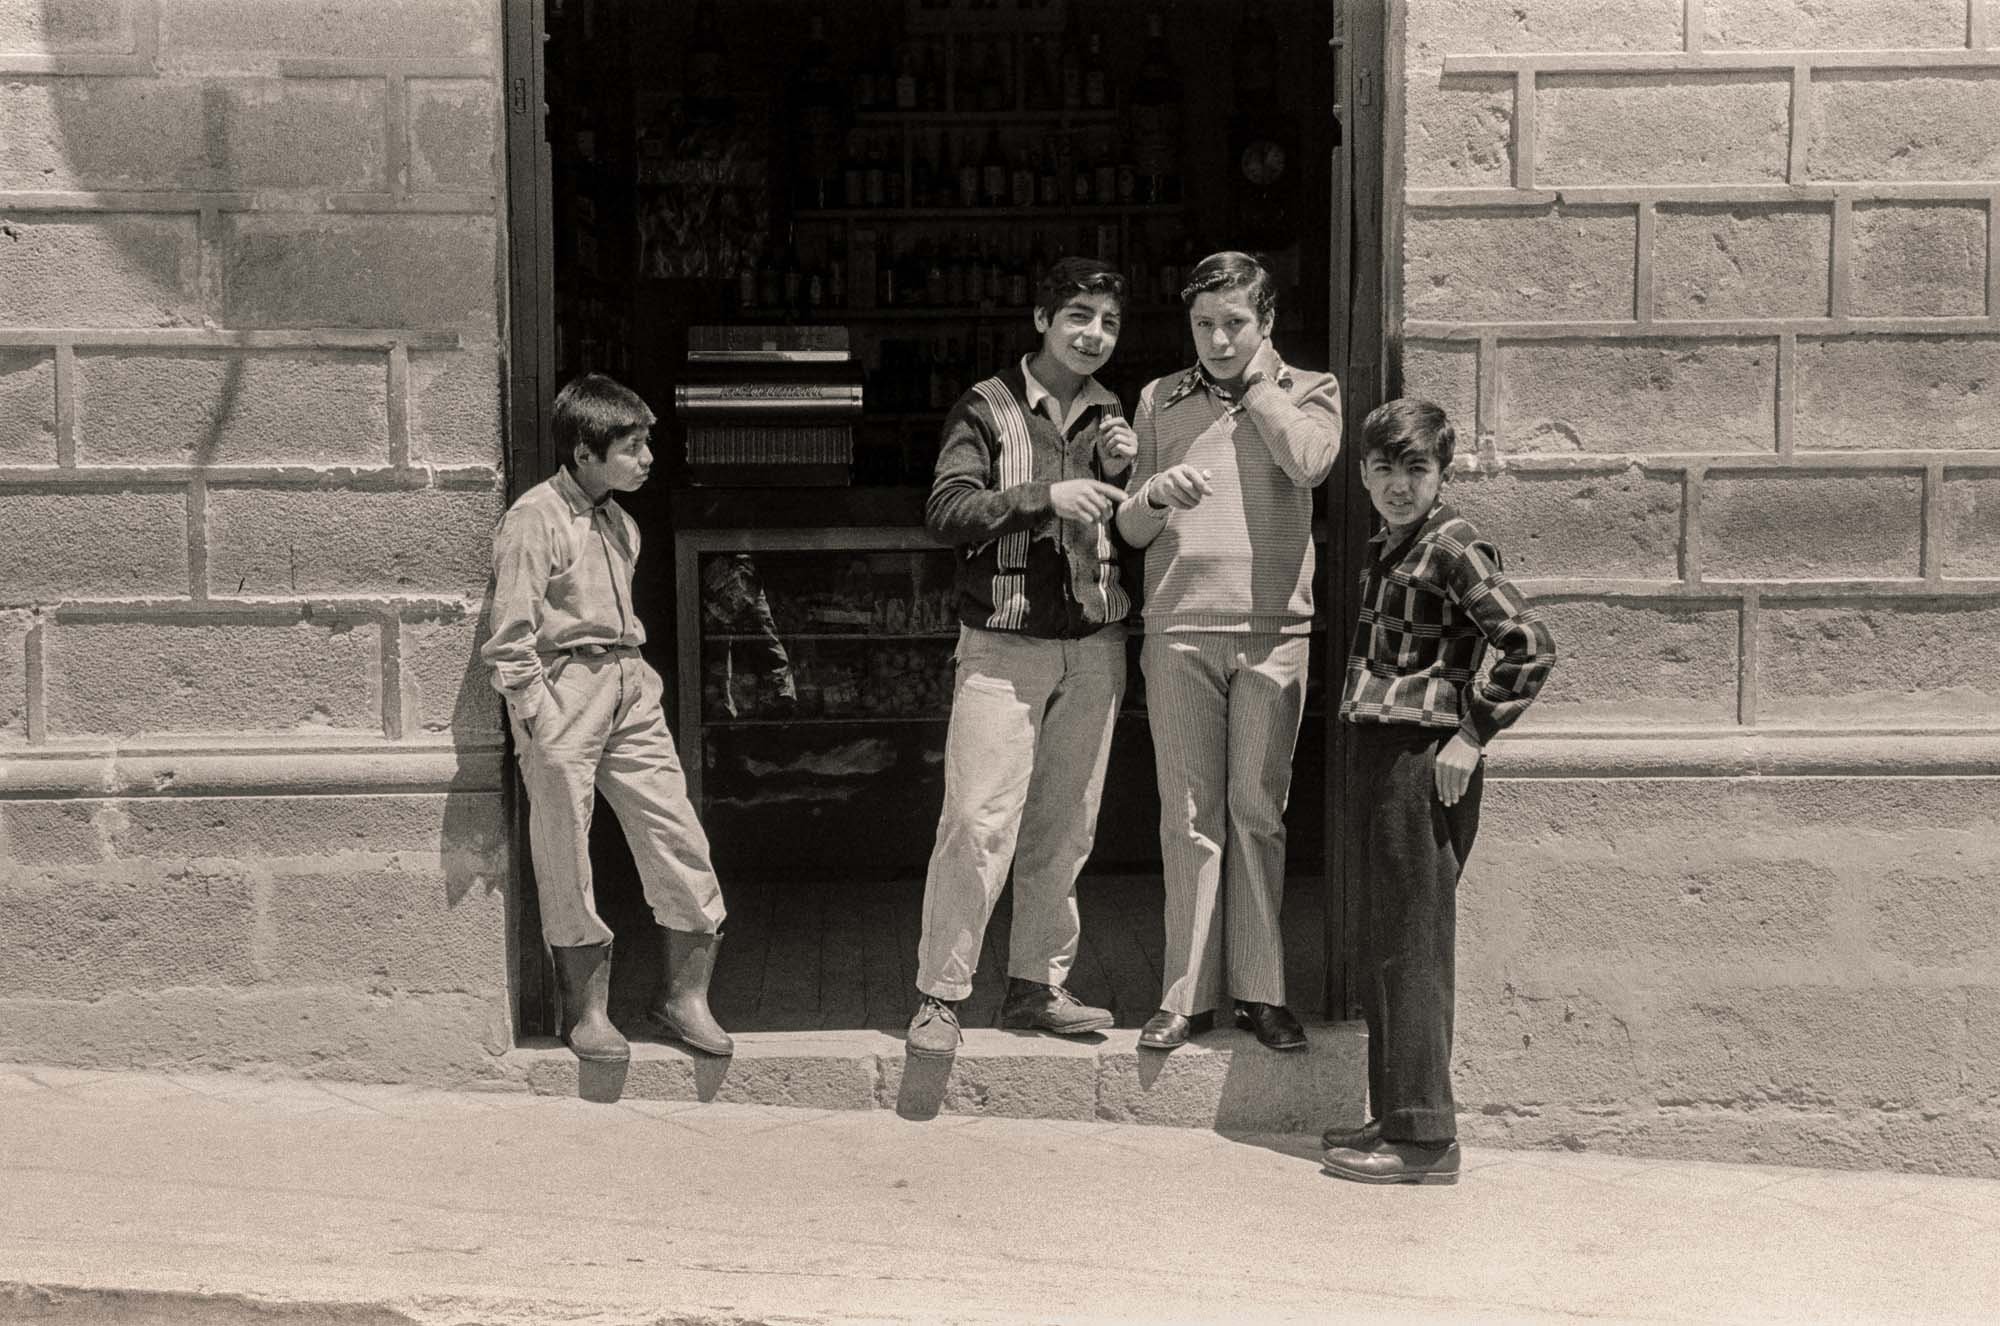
[(898, 168)]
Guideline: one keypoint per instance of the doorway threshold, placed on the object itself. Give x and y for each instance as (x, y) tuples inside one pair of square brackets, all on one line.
[(1223, 1080)]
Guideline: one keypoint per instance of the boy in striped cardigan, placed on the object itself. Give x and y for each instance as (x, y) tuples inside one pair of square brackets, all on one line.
[(1229, 453), (1027, 477)]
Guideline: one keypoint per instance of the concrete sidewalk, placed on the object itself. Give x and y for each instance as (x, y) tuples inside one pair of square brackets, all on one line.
[(136, 1198)]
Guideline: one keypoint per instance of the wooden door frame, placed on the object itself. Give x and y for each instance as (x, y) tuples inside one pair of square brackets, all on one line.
[(1362, 296), (531, 370)]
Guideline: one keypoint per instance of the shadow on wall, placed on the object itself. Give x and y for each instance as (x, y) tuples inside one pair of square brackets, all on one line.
[(230, 132)]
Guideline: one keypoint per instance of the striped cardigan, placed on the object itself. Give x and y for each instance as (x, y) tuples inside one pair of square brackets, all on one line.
[(1020, 567)]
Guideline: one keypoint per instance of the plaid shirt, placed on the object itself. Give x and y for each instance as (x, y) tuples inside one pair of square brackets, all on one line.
[(1429, 608)]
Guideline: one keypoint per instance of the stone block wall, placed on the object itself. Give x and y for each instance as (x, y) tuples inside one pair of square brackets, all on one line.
[(1712, 288), (251, 298)]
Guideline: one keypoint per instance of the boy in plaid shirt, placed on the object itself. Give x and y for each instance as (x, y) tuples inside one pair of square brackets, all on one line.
[(1433, 597)]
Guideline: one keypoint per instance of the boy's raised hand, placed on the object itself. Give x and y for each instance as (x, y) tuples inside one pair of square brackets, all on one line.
[(1264, 363), (1087, 500), (1117, 444), (1456, 761), (1181, 487)]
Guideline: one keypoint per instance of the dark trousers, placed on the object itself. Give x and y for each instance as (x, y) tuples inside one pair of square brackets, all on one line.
[(1415, 847)]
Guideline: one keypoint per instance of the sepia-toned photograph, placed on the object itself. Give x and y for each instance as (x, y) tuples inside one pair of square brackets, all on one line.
[(999, 662)]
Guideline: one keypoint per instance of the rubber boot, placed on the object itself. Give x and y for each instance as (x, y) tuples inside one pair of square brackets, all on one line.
[(584, 973), (681, 1009)]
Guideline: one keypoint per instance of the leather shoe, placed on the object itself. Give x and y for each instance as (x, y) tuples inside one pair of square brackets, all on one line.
[(1033, 1006), (1394, 1162), (1274, 1025), (1353, 1139), (934, 1030), (1165, 1030)]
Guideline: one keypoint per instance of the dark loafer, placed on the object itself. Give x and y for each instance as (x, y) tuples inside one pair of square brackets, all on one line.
[(1166, 1031), (1394, 1162), (1353, 1139), (1274, 1025)]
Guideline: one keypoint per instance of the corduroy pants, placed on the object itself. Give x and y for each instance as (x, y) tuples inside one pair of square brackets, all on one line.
[(1224, 709), (1416, 846)]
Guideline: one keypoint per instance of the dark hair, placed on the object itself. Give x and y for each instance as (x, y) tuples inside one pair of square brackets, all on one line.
[(596, 411), (1066, 278), (1231, 270), (1409, 423)]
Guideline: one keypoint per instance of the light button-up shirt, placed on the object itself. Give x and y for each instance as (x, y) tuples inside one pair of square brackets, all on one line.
[(562, 578)]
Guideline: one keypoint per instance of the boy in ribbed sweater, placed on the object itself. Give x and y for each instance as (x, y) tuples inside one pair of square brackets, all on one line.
[(1229, 453), (1029, 472)]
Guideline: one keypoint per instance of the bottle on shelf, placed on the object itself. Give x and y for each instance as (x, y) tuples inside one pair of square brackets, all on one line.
[(997, 92), (791, 273), (954, 372), (975, 272), (770, 281), (968, 175), (923, 171), (906, 91), (817, 114), (993, 172), (893, 194), (854, 171), (1070, 66), (1040, 80), (936, 61), (954, 274), (934, 275), (996, 280), (877, 186), (1048, 176), (1096, 78), (1156, 119), (1104, 172), (1021, 182), (1017, 274)]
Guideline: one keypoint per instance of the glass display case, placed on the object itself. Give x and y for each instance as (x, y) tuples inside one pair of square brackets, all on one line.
[(814, 691), (815, 684)]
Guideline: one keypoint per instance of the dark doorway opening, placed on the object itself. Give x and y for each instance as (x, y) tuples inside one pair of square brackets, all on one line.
[(851, 127)]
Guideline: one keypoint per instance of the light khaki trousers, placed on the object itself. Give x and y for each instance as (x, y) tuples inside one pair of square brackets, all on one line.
[(601, 729), (1031, 724)]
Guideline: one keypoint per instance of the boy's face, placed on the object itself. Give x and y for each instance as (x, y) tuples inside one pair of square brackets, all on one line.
[(626, 465), (1227, 332), (1082, 333), (1404, 489)]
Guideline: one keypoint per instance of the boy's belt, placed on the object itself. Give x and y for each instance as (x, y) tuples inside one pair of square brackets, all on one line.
[(598, 651)]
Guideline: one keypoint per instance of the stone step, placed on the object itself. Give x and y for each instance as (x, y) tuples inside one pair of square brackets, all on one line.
[(1223, 1080)]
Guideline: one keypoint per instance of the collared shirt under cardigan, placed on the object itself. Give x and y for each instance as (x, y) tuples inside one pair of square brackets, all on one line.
[(1430, 605), (562, 570), (1020, 567), (1242, 560)]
